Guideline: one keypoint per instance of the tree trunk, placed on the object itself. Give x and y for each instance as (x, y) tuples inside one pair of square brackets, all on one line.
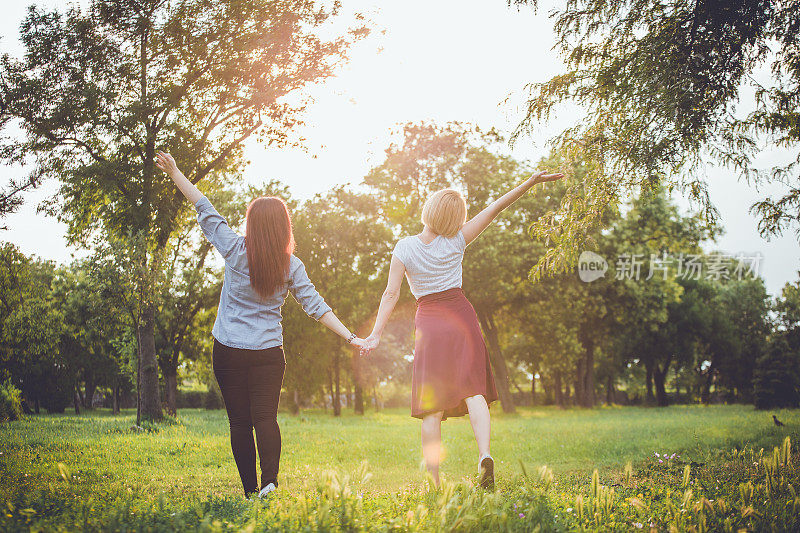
[(358, 402), (705, 390), (533, 389), (578, 381), (90, 388), (358, 392), (498, 362), (648, 381), (36, 405), (171, 378), (609, 390), (559, 395), (330, 389), (337, 398), (138, 382), (294, 405), (659, 377), (547, 385), (587, 386), (149, 395), (116, 399), (76, 400)]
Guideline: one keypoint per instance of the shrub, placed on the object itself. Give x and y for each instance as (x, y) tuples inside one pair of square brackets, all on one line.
[(10, 402), (191, 399), (57, 393), (214, 397)]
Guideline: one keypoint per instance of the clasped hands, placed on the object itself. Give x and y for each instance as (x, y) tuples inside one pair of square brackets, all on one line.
[(366, 345)]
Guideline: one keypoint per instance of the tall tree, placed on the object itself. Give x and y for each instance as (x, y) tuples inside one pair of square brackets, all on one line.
[(777, 373), (32, 332), (99, 89), (648, 242), (746, 305), (658, 82), (343, 244)]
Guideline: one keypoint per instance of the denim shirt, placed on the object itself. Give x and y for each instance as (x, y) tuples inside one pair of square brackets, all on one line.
[(245, 319)]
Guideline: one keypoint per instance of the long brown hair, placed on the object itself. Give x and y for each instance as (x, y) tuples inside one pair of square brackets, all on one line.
[(270, 242)]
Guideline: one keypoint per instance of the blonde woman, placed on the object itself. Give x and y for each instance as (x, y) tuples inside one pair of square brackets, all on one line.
[(451, 372)]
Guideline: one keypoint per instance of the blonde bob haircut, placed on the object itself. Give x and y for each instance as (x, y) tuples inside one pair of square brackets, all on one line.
[(445, 212)]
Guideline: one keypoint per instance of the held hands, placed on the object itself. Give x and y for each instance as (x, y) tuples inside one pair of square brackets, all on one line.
[(366, 345), (541, 177), (359, 343), (370, 343)]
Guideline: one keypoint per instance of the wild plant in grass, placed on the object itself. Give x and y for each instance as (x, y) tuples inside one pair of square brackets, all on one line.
[(602, 498), (746, 493), (786, 451), (338, 506), (546, 476), (579, 509), (594, 488), (627, 474), (666, 458)]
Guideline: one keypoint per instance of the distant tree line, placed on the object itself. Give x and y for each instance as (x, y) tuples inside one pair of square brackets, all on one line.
[(100, 88), (669, 321)]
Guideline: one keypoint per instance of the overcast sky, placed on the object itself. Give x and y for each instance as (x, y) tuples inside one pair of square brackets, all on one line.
[(444, 60)]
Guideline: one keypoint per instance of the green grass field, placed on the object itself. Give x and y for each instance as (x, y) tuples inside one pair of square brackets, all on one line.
[(93, 463)]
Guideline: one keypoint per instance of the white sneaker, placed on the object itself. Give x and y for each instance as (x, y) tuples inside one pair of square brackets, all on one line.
[(266, 490)]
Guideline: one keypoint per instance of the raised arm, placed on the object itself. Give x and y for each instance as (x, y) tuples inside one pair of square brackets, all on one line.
[(389, 299), (213, 225), (166, 163), (481, 221)]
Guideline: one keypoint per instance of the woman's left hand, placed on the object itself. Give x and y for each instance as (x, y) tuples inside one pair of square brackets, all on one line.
[(541, 177), (166, 162)]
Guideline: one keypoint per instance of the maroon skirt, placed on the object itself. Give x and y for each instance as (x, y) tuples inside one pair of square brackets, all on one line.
[(451, 362)]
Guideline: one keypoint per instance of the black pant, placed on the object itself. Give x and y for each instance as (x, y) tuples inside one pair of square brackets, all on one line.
[(250, 381)]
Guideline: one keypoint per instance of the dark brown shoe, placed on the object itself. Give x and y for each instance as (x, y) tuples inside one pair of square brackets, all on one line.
[(487, 473)]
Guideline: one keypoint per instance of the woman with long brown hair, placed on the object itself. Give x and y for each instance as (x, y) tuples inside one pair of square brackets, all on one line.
[(248, 360)]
